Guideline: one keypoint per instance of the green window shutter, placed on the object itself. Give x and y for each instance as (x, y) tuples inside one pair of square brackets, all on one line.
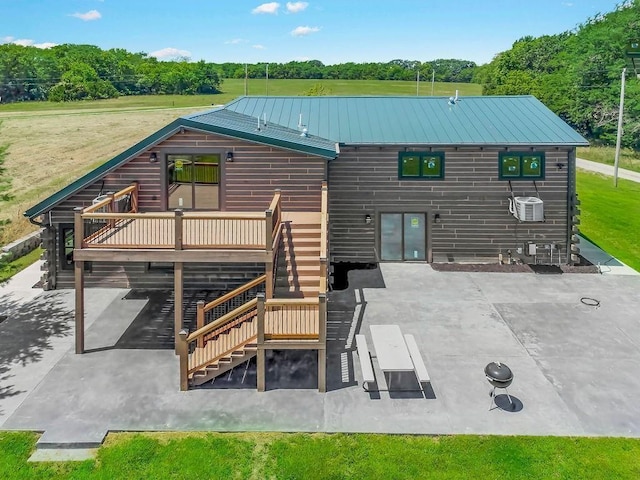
[(510, 166), (533, 166), (410, 166), (432, 166)]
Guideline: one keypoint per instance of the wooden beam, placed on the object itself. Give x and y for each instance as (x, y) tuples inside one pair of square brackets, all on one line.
[(322, 370), (261, 354), (178, 285), (186, 256), (78, 268), (292, 345), (79, 313), (183, 351)]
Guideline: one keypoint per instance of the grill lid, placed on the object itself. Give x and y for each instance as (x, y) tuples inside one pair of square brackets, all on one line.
[(498, 371)]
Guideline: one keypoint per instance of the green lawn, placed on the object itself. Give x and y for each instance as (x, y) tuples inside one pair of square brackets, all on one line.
[(233, 88), (10, 269), (334, 456), (610, 217), (629, 159)]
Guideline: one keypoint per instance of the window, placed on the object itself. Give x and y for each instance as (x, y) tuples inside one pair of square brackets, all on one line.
[(521, 166), (66, 242), (421, 165), (192, 181)]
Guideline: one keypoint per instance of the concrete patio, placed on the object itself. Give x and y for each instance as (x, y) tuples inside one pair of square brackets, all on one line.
[(575, 365)]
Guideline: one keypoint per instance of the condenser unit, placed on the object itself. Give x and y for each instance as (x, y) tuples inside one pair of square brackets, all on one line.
[(527, 209)]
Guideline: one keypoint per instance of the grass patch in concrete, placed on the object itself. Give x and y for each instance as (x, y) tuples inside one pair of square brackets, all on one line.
[(629, 159), (609, 215), (320, 456), (10, 269)]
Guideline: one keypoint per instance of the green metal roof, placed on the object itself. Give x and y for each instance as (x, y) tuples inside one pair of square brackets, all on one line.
[(238, 125), (325, 121), (487, 120)]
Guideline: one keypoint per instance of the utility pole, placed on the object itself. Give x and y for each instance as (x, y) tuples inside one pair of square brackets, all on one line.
[(418, 84), (433, 79), (619, 138), (246, 76), (267, 82)]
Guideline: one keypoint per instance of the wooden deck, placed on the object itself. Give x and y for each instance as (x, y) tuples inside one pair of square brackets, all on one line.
[(199, 230)]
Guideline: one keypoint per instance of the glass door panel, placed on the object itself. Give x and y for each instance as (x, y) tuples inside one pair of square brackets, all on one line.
[(193, 181), (414, 236), (391, 236)]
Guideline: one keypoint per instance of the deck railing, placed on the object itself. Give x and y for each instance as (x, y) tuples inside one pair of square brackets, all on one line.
[(212, 311), (103, 227), (290, 318), (123, 201), (226, 335), (273, 234)]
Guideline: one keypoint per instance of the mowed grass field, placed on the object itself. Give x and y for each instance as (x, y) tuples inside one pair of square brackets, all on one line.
[(52, 144), (332, 456), (610, 216)]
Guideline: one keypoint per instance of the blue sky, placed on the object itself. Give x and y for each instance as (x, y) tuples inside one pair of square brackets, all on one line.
[(332, 31)]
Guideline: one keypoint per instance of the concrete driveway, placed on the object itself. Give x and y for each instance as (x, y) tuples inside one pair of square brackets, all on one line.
[(575, 365)]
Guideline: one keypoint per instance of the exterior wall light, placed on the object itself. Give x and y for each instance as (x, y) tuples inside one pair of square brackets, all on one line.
[(436, 218), (229, 156), (153, 157), (367, 219)]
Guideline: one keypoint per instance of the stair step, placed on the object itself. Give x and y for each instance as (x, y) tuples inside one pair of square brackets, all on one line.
[(298, 242), (301, 280), (302, 269), (302, 232), (305, 250), (300, 260), (296, 294)]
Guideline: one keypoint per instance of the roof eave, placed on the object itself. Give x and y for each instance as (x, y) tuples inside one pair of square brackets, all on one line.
[(326, 153)]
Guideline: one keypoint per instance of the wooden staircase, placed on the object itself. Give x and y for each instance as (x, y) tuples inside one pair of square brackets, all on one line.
[(298, 267), (296, 313)]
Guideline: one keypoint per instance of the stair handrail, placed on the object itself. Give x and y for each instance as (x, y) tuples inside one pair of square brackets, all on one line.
[(324, 222), (220, 322), (234, 293)]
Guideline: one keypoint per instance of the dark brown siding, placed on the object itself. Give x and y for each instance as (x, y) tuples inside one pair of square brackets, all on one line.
[(472, 203), (248, 184), (137, 275), (256, 171)]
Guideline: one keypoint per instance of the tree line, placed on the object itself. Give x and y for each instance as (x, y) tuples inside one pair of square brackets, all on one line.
[(577, 74), (76, 72)]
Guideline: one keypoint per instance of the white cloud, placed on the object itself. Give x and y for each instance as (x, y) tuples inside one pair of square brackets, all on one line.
[(169, 53), (271, 8), (295, 7), (567, 4), (88, 16), (259, 47), (303, 31), (27, 42), (236, 41)]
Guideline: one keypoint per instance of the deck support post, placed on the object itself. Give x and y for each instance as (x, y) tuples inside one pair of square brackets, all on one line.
[(261, 354), (178, 283), (78, 268), (322, 339), (183, 350)]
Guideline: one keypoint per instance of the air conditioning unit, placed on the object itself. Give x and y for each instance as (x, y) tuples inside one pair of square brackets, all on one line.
[(527, 209), (99, 199)]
